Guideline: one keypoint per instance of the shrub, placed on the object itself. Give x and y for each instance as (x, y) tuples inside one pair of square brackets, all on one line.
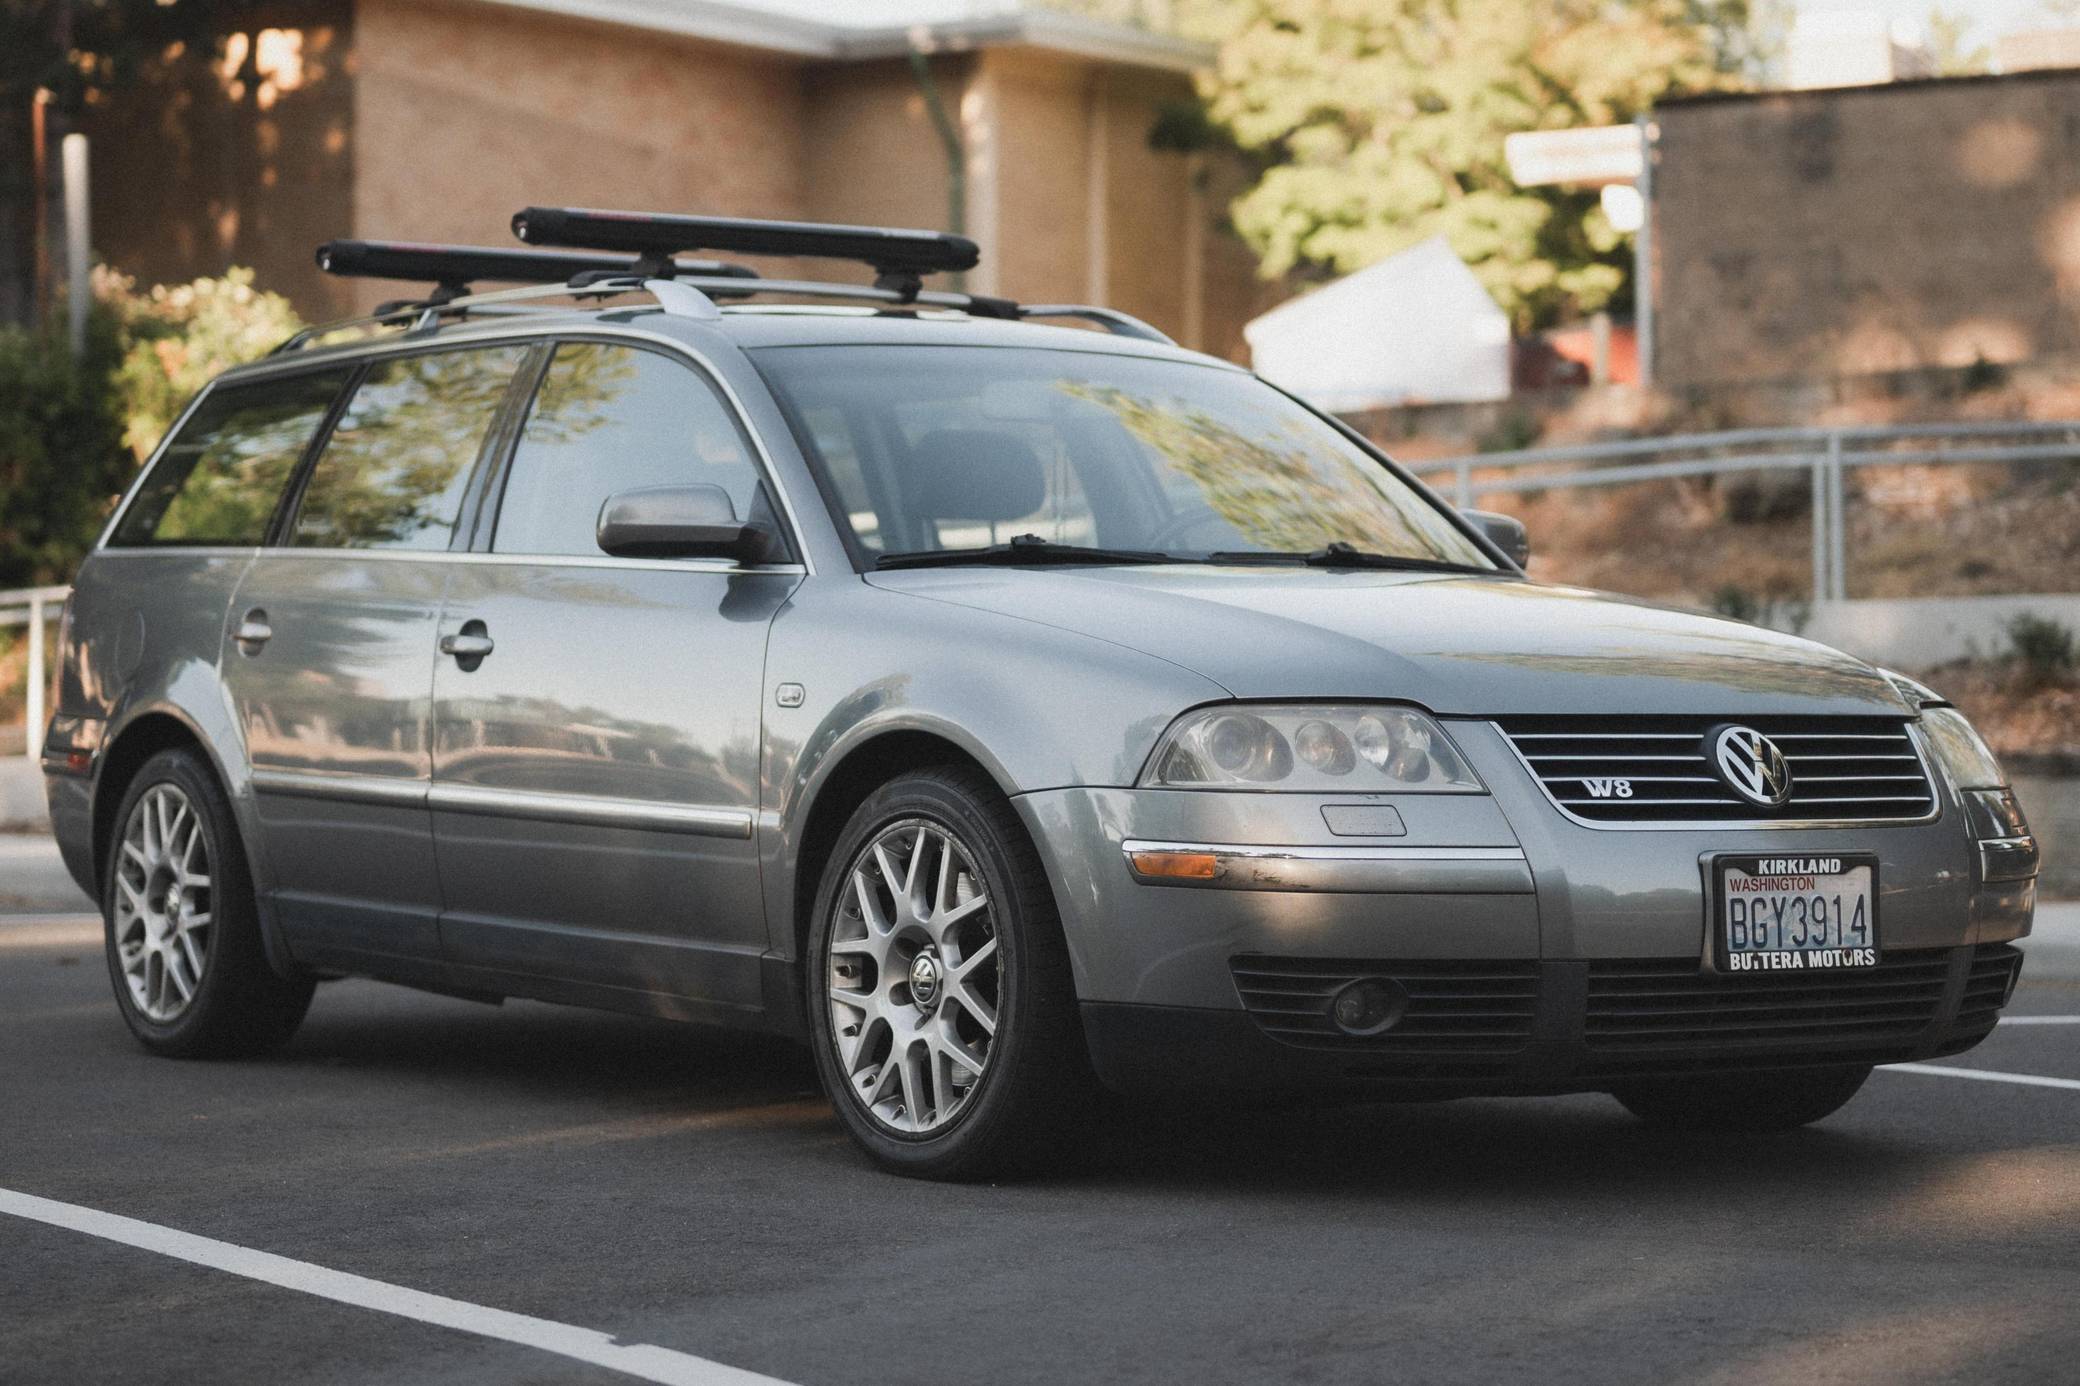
[(176, 337), (61, 448), (2044, 646), (72, 432), (1736, 603)]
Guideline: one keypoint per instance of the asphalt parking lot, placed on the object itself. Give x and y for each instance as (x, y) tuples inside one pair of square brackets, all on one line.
[(385, 1200)]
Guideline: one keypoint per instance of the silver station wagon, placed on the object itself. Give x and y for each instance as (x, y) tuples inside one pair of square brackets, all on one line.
[(1011, 711)]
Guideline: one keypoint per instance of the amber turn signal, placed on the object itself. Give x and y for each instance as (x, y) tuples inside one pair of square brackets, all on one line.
[(1177, 866)]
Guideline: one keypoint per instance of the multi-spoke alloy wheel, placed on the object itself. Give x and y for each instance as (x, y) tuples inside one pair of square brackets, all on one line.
[(163, 903), (942, 1002), (190, 968), (914, 977)]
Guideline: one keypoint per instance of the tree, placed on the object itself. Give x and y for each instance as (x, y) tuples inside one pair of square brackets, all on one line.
[(73, 50), (1950, 47), (1380, 123)]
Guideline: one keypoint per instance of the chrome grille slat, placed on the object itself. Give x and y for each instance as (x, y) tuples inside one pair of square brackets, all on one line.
[(1843, 769)]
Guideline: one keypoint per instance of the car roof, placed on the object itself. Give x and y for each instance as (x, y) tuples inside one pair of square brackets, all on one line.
[(751, 327)]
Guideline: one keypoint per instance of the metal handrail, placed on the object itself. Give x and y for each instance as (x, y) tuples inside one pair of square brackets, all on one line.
[(33, 607), (1826, 452)]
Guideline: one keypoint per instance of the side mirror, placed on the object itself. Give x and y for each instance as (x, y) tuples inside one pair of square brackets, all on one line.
[(679, 522), (1505, 532)]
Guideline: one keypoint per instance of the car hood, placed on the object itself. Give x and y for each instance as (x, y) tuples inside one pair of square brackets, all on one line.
[(1466, 645)]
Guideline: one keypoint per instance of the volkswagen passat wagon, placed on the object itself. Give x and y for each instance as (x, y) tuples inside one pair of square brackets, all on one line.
[(1003, 709)]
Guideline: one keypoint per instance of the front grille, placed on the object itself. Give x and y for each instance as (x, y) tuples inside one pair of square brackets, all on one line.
[(1454, 1010), (1640, 1007), (1658, 769), (1987, 987)]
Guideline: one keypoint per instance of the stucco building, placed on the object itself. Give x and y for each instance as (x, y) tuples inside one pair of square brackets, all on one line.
[(1817, 234), (434, 120)]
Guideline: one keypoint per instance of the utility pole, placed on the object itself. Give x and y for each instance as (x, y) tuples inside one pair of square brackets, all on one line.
[(1643, 254), (79, 293)]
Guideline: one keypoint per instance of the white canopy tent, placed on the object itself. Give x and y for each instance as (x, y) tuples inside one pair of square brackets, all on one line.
[(1416, 327)]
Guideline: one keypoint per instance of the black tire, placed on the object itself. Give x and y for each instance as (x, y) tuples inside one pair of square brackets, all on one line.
[(1022, 1114), (1743, 1102), (241, 1006)]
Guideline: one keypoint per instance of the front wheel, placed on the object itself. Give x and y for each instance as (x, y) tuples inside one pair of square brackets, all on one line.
[(1743, 1102), (939, 987)]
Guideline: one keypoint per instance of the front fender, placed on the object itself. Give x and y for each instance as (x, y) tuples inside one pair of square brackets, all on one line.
[(1038, 707)]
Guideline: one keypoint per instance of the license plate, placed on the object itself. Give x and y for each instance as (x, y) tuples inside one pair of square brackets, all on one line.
[(1796, 913)]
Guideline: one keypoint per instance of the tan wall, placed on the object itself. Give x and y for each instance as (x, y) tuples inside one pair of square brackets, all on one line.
[(871, 154), (1845, 232), (1087, 209), (195, 168), (466, 113)]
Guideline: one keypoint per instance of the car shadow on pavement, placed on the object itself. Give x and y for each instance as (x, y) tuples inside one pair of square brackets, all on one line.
[(549, 1053), (573, 1062)]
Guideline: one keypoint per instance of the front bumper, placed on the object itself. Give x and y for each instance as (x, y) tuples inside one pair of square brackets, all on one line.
[(1509, 896), (1552, 1027)]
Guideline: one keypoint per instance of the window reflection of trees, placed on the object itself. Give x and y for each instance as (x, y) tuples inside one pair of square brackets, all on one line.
[(226, 474), (1272, 484), (393, 473)]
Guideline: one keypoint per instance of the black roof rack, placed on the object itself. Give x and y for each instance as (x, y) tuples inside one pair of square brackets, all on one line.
[(453, 268), (899, 259), (648, 244)]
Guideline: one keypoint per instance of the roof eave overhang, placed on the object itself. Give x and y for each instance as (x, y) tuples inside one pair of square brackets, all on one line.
[(737, 26)]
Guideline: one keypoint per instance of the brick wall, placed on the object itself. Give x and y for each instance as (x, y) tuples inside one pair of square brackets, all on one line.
[(434, 120), (1831, 233), (464, 115)]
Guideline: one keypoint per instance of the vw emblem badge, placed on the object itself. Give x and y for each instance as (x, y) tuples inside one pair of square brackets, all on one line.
[(1752, 766), (925, 976)]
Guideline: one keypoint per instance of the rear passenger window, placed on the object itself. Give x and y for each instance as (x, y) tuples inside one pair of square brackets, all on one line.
[(392, 475), (219, 479), (614, 418)]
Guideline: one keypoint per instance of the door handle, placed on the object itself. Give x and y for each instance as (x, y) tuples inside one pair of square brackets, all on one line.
[(253, 632), (469, 645)]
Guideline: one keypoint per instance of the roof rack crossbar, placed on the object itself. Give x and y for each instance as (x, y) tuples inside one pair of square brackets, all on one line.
[(899, 259), (455, 267)]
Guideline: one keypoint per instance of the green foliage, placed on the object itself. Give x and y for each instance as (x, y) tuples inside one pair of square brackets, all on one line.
[(2045, 648), (1383, 123), (61, 454), (1737, 603), (72, 433), (1950, 45), (177, 337)]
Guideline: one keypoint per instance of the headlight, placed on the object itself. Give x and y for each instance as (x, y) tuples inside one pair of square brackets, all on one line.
[(1305, 749), (1960, 749)]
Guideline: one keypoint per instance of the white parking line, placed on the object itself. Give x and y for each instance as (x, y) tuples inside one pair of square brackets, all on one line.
[(1985, 1075), (584, 1344), (2040, 1020)]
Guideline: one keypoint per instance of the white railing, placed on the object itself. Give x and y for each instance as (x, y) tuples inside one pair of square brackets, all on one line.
[(33, 608), (1824, 452)]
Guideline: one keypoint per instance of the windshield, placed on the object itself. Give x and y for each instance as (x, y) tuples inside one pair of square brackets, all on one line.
[(925, 449)]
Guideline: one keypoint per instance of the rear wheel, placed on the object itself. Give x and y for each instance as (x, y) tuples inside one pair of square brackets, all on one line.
[(182, 934), (939, 988), (1743, 1101)]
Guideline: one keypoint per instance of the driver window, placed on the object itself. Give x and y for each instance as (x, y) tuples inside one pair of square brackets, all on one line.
[(611, 418)]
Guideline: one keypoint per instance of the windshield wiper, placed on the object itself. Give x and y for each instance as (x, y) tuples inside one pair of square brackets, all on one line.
[(1023, 549), (1344, 555)]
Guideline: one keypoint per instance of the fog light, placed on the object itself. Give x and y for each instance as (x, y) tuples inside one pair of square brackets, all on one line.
[(1368, 1006)]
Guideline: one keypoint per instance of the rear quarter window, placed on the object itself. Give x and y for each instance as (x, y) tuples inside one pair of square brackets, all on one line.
[(219, 478)]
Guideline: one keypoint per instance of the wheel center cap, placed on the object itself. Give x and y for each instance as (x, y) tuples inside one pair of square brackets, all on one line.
[(927, 975)]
